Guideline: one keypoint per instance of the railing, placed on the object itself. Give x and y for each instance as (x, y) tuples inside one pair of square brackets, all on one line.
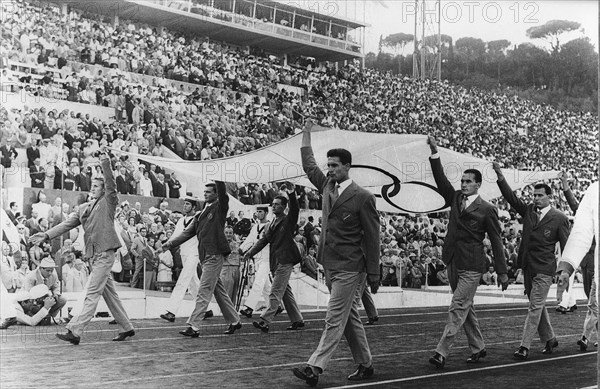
[(257, 24)]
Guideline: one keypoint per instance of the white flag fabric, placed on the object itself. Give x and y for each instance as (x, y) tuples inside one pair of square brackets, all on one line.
[(394, 167)]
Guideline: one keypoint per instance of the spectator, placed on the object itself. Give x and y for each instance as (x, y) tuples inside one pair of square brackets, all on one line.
[(489, 277), (46, 275)]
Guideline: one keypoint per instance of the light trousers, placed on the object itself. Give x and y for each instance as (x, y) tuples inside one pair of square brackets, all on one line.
[(210, 284), (461, 312), (343, 319), (261, 286), (281, 291), (100, 284), (537, 320), (188, 281)]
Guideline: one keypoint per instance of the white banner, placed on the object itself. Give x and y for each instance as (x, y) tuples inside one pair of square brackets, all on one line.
[(394, 167)]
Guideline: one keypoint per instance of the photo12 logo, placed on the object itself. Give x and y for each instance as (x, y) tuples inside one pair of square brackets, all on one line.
[(471, 11)]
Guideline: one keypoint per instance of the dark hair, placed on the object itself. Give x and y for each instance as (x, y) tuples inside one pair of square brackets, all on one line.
[(212, 185), (476, 173), (344, 155), (284, 200), (545, 187), (12, 204)]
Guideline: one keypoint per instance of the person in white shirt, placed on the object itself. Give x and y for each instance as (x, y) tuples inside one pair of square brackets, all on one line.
[(188, 278), (262, 285), (584, 231)]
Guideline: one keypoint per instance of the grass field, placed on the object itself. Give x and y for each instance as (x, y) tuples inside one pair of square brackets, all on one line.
[(401, 343)]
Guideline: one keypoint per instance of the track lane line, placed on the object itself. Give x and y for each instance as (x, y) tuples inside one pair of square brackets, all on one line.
[(251, 368)]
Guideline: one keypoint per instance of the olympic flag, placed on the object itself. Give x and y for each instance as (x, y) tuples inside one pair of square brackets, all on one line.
[(394, 167)]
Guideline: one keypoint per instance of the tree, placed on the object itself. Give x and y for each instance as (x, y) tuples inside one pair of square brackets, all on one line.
[(578, 64), (470, 50), (528, 66), (397, 42), (551, 30), (496, 54)]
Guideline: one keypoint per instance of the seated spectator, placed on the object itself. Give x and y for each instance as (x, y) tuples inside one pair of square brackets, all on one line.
[(489, 277), (33, 307), (46, 275)]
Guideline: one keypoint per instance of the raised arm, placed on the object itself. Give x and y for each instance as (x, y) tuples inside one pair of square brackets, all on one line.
[(571, 200), (223, 198), (110, 184), (309, 164), (444, 186), (294, 211), (508, 194)]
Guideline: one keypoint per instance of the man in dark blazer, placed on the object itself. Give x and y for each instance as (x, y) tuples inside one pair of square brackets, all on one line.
[(32, 152), (97, 218), (209, 226), (349, 253), (543, 227), (283, 255), (464, 255), (37, 174)]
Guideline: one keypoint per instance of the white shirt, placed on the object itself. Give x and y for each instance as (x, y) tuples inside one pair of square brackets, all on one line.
[(343, 185), (190, 247), (470, 200), (543, 211)]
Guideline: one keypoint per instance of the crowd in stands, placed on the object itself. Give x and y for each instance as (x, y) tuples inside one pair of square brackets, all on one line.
[(237, 108)]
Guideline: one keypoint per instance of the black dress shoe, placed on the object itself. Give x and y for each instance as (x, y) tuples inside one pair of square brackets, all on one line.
[(208, 315), (113, 322), (296, 325), (264, 327), (123, 335), (306, 375), (168, 317), (572, 309), (438, 360), (279, 310), (562, 310), (583, 343), (69, 337), (474, 358), (550, 346), (362, 373), (247, 312), (190, 332), (372, 320), (521, 354), (11, 321), (232, 327)]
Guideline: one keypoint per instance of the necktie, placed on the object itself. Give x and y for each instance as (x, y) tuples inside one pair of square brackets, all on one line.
[(335, 194), (538, 216), (463, 204)]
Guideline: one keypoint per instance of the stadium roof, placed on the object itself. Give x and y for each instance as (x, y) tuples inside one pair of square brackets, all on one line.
[(321, 47)]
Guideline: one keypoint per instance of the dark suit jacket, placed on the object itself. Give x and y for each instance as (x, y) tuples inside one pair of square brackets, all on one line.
[(122, 185), (32, 155), (536, 252), (464, 241), (208, 226), (37, 177), (350, 233), (280, 235), (97, 218), (159, 189)]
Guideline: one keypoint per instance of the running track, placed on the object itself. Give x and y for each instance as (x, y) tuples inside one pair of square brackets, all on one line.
[(401, 343)]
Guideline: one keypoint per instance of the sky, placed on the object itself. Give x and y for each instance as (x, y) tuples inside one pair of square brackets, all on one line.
[(487, 20)]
